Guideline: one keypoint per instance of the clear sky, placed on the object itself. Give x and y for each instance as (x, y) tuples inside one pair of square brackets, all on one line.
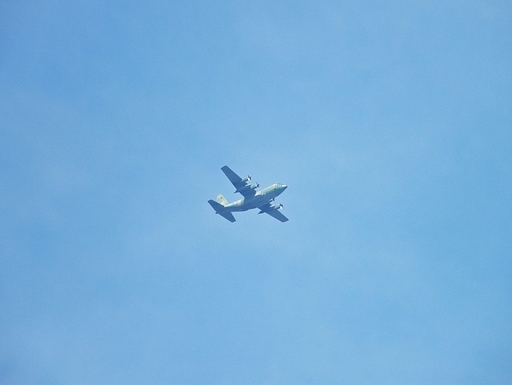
[(391, 123)]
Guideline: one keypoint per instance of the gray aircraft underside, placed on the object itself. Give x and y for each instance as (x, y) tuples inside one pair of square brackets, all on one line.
[(252, 198)]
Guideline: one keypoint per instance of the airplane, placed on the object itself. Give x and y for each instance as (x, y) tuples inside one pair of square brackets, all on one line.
[(252, 198)]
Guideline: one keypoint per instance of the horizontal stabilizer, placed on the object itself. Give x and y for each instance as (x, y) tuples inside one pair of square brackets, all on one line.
[(219, 209), (228, 216), (216, 205)]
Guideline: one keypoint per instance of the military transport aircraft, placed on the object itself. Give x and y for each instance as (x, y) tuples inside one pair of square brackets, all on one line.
[(262, 199)]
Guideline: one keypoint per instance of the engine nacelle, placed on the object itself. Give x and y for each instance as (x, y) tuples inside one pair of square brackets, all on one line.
[(271, 208), (247, 187), (247, 179)]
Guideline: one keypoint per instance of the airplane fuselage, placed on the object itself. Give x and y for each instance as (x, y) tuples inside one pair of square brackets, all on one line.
[(257, 200), (252, 198)]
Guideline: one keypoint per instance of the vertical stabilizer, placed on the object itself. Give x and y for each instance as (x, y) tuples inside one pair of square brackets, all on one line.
[(220, 199)]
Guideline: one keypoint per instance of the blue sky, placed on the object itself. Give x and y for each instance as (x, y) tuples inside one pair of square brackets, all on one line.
[(389, 121)]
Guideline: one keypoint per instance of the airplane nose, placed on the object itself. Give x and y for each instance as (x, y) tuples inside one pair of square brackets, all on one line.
[(284, 186)]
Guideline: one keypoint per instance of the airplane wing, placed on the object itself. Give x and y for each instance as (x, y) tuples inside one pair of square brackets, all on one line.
[(273, 212), (242, 185)]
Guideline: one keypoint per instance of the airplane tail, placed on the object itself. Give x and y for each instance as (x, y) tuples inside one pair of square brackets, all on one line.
[(216, 206), (220, 199), (219, 209)]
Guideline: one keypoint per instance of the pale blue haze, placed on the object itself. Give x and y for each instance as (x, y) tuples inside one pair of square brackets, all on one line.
[(391, 125)]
